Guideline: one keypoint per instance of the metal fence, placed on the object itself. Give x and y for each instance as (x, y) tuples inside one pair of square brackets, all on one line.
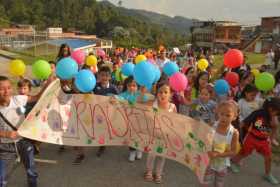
[(27, 44)]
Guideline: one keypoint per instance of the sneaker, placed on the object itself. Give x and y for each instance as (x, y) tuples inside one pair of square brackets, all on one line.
[(78, 160), (138, 155), (234, 168), (271, 179), (100, 151), (132, 156)]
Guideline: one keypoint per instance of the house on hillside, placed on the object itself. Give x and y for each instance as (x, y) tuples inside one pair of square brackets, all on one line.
[(18, 30), (265, 38), (16, 36), (216, 34), (271, 25)]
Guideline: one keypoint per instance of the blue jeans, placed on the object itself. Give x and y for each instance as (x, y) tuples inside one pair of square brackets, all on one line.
[(3, 166), (26, 152)]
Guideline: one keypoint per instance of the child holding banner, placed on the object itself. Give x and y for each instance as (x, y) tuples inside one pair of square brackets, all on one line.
[(24, 87), (132, 95), (11, 116), (162, 102), (225, 144), (105, 88)]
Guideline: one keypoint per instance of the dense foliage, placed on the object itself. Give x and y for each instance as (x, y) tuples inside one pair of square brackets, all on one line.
[(91, 17)]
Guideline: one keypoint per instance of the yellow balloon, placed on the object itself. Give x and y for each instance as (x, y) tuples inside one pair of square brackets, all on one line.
[(255, 72), (140, 58), (202, 64), (17, 68), (91, 60)]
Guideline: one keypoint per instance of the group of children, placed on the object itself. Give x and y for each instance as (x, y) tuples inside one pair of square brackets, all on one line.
[(244, 120)]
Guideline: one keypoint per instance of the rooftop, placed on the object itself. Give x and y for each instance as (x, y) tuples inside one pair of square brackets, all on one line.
[(73, 43), (217, 23), (271, 17)]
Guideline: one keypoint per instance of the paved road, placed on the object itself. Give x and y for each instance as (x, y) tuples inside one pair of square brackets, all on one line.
[(3, 59), (4, 69), (113, 170)]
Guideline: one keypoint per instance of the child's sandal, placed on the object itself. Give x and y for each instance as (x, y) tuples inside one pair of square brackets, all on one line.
[(158, 179), (148, 176)]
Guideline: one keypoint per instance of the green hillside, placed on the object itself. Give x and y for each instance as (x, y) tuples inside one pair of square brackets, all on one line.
[(126, 27)]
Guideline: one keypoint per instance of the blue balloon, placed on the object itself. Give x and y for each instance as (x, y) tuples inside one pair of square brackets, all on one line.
[(144, 74), (149, 87), (127, 69), (66, 68), (221, 87), (85, 81), (157, 74), (170, 68)]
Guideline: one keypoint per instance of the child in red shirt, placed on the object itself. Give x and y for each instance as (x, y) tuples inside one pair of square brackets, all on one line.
[(260, 125)]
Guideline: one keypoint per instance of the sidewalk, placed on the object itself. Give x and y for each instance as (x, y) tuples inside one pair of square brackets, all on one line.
[(113, 170), (7, 54)]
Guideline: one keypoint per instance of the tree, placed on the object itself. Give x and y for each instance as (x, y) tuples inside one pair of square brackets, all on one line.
[(120, 3), (19, 12), (36, 14), (4, 22), (92, 17)]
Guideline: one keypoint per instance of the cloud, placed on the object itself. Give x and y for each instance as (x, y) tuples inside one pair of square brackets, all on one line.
[(244, 11)]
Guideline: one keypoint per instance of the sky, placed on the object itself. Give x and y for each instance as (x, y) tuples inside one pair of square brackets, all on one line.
[(244, 11)]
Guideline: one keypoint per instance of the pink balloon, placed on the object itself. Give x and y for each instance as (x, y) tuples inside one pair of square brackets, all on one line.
[(178, 82), (233, 58), (100, 52), (79, 56)]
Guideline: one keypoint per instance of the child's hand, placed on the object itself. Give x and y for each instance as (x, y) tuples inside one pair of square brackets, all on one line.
[(113, 100), (213, 154), (12, 134)]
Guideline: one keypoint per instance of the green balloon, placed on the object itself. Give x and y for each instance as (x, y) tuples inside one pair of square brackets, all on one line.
[(119, 76), (265, 81), (41, 69)]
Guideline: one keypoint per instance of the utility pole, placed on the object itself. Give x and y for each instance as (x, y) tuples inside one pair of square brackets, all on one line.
[(34, 40)]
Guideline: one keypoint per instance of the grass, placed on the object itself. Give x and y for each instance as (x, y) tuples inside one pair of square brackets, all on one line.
[(43, 49), (29, 59), (252, 59), (30, 55)]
